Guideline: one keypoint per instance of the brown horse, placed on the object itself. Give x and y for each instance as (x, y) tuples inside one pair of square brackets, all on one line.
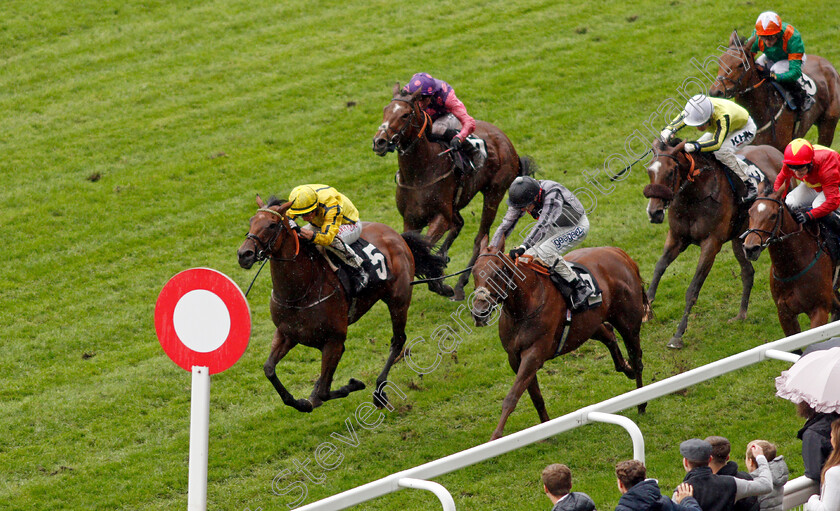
[(704, 211), (801, 270), (533, 316), (739, 78), (428, 191), (309, 307)]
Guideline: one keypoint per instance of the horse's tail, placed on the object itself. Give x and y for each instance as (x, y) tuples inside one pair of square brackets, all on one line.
[(646, 308), (426, 264), (527, 166)]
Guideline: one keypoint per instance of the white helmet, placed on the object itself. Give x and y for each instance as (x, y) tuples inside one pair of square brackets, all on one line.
[(698, 110)]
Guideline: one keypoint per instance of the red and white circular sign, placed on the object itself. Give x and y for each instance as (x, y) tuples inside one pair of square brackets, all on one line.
[(202, 319)]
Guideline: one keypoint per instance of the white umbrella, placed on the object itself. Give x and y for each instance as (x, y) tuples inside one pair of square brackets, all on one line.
[(814, 379)]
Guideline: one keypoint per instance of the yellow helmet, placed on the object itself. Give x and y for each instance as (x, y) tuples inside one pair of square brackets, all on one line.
[(304, 199)]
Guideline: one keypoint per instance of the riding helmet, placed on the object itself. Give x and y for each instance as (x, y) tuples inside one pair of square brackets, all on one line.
[(698, 110), (304, 199), (768, 23), (799, 152), (523, 191), (422, 82)]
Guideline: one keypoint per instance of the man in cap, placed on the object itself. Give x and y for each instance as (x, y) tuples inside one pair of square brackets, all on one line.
[(717, 492)]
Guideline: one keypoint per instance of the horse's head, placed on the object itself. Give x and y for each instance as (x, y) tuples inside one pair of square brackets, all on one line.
[(490, 284), (663, 172), (768, 217), (398, 122), (268, 234), (736, 69)]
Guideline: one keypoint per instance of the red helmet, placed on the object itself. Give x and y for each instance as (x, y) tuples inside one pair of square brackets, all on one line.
[(768, 23), (799, 152)]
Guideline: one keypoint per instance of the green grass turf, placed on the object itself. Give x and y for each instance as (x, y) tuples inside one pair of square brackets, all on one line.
[(134, 137)]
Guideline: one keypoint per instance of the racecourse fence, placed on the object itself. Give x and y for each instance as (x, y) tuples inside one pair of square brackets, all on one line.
[(797, 490)]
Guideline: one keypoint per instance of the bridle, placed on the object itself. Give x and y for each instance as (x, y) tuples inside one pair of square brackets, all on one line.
[(772, 236), (692, 173), (736, 84), (264, 250), (483, 293), (396, 138)]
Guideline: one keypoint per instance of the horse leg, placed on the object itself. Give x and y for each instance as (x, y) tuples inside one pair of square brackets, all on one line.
[(825, 127), (819, 316), (788, 320), (747, 277), (633, 344), (280, 346), (673, 248), (455, 227), (605, 334), (537, 399), (399, 317), (526, 369), (708, 251), (488, 214), (330, 356)]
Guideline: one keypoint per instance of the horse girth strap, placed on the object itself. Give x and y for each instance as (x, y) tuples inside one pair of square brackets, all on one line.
[(419, 187)]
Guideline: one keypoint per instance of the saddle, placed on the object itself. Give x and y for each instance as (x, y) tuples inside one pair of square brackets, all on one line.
[(565, 288), (373, 264)]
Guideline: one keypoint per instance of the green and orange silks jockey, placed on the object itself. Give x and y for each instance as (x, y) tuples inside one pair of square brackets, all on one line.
[(783, 54), (333, 223)]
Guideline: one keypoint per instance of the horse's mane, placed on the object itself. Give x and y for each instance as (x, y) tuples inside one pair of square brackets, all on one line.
[(274, 201), (404, 95)]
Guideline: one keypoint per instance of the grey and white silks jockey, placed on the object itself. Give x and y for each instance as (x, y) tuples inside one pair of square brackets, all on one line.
[(561, 226)]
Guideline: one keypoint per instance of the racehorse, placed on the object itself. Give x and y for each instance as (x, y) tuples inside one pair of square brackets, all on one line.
[(739, 78), (534, 321), (309, 307), (801, 270), (704, 211), (428, 191)]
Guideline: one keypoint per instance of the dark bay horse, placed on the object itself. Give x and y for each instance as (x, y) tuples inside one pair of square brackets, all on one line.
[(428, 192), (738, 78), (533, 316), (309, 307), (801, 270), (704, 211)]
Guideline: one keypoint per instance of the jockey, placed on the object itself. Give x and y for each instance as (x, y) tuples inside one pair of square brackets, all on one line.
[(783, 54), (818, 167), (561, 225), (451, 123), (728, 127), (333, 224)]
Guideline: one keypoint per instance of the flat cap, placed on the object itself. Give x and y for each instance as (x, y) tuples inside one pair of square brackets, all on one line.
[(695, 449)]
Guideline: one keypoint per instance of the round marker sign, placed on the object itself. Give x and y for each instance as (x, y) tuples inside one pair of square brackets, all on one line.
[(202, 319)]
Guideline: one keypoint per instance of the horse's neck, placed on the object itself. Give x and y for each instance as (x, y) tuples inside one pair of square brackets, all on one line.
[(762, 102), (525, 295), (418, 161), (704, 182), (794, 251), (292, 276)]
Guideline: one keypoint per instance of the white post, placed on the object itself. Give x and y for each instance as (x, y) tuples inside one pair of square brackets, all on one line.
[(199, 434)]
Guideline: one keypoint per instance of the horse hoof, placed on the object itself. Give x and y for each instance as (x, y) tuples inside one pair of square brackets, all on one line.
[(457, 295), (354, 385), (380, 400), (641, 408), (445, 290), (304, 405), (675, 343)]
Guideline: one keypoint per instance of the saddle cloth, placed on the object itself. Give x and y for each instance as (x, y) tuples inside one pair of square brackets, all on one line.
[(565, 289), (373, 264)]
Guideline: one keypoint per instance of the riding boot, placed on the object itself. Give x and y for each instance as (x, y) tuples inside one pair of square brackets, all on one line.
[(801, 98), (751, 191), (581, 291), (353, 261)]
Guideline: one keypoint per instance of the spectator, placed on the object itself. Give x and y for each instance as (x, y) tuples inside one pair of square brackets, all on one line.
[(716, 492), (829, 497), (722, 465), (778, 473), (816, 444), (641, 494), (557, 484)]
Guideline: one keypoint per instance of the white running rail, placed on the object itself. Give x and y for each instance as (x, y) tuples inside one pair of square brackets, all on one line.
[(408, 478)]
